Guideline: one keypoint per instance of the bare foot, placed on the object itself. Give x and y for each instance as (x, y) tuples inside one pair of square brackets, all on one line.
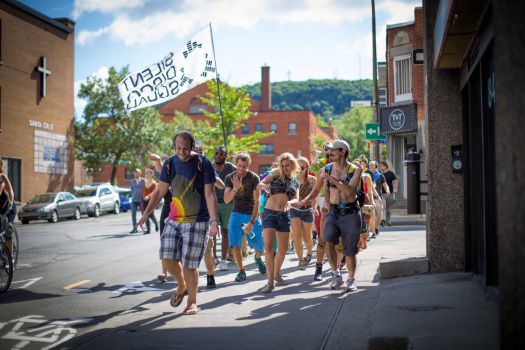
[(192, 309)]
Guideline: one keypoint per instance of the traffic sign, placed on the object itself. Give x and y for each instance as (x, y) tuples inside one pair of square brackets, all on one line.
[(372, 132)]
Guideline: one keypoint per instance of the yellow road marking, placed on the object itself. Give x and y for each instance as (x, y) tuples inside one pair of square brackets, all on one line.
[(76, 284)]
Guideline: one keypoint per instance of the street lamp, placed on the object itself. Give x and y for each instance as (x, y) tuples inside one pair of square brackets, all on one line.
[(375, 148)]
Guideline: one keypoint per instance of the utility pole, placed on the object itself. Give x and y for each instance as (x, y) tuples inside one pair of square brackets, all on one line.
[(375, 145)]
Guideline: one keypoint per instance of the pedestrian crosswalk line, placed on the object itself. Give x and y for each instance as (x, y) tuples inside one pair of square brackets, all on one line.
[(76, 284)]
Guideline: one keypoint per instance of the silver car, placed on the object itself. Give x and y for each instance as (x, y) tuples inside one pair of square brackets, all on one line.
[(97, 199), (50, 207)]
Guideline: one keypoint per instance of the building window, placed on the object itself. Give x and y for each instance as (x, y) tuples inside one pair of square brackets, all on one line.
[(245, 130), (267, 149), (402, 78), (273, 127), (258, 127), (383, 97), (197, 106), (292, 128), (264, 168)]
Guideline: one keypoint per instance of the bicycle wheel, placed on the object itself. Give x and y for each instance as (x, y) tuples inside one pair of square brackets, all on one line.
[(14, 252), (6, 268)]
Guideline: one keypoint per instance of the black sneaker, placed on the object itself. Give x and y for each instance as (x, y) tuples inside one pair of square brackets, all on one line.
[(211, 282), (318, 276), (377, 232)]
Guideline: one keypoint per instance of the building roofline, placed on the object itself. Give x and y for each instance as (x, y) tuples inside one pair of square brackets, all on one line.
[(398, 25), (40, 16)]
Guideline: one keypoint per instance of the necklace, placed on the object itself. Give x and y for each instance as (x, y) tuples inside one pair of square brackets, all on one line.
[(219, 170)]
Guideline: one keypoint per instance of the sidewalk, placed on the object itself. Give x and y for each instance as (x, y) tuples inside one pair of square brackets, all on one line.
[(444, 311)]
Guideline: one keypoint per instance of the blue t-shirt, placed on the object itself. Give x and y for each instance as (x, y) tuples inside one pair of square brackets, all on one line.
[(188, 203)]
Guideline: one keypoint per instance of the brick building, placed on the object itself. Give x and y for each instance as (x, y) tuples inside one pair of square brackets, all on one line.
[(294, 131), (36, 100), (403, 117)]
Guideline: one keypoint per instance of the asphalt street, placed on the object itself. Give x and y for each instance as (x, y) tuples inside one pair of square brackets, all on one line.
[(76, 278)]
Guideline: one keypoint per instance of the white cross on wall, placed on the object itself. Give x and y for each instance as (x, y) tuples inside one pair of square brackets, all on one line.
[(44, 73)]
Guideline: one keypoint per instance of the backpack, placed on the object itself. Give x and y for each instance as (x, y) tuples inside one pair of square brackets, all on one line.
[(360, 190)]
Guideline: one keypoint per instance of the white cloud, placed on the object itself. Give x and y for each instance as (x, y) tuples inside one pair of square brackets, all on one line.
[(86, 36), (138, 23), (397, 10), (105, 6)]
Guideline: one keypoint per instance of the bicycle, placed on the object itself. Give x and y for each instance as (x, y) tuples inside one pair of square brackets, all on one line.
[(6, 261)]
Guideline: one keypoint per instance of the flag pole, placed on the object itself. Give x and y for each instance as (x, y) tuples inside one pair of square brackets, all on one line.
[(218, 89)]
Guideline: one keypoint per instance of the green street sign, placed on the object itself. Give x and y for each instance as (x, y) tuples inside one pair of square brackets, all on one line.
[(372, 132)]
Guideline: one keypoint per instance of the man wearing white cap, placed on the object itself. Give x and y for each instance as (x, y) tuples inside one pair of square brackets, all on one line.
[(344, 216)]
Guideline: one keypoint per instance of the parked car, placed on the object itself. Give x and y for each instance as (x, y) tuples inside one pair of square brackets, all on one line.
[(51, 207), (125, 198), (98, 199)]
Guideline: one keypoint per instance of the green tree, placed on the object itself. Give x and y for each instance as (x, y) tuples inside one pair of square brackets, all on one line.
[(351, 127), (329, 98), (235, 109), (107, 134)]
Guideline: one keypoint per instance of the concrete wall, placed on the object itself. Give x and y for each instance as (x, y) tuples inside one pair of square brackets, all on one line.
[(509, 31), (445, 216)]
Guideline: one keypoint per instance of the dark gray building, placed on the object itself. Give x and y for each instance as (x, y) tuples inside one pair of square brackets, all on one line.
[(475, 222)]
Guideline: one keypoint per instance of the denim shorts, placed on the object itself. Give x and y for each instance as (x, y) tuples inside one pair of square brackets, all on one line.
[(305, 215), (278, 220)]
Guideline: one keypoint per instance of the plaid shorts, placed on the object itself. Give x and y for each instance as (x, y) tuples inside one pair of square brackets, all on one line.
[(184, 242)]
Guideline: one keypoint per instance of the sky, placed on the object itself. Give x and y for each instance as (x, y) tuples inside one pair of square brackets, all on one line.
[(298, 39)]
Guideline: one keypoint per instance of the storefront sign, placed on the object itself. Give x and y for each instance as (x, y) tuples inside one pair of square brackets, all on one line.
[(41, 125), (398, 119)]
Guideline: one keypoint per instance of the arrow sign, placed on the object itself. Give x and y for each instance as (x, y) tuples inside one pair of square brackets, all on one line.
[(372, 132)]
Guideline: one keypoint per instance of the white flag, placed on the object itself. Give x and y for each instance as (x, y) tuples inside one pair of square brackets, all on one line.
[(178, 72)]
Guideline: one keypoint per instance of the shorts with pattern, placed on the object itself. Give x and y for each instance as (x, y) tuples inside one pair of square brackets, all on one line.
[(184, 242)]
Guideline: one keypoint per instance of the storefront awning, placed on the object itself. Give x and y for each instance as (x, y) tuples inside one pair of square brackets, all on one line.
[(456, 24)]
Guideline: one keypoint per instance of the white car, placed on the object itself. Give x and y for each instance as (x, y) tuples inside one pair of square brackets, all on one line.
[(95, 199)]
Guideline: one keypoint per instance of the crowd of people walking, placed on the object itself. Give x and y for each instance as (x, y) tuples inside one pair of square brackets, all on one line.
[(335, 202)]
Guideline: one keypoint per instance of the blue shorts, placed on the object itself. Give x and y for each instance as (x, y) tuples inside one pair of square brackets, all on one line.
[(278, 220), (235, 231), (306, 215)]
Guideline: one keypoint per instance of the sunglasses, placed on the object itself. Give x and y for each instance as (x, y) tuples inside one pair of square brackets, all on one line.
[(219, 154)]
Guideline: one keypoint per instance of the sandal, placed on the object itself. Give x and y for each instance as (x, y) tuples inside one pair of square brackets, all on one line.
[(177, 299), (308, 258), (191, 310), (162, 278)]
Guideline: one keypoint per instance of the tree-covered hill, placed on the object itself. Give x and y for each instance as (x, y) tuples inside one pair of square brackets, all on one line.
[(327, 97)]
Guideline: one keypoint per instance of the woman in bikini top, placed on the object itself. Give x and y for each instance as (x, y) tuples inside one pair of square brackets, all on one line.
[(282, 187), (287, 187)]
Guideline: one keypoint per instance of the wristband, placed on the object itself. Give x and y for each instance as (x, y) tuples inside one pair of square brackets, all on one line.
[(252, 222)]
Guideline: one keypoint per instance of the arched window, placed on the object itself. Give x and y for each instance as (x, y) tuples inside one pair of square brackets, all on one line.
[(245, 130), (197, 106), (292, 128), (273, 127), (259, 127)]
